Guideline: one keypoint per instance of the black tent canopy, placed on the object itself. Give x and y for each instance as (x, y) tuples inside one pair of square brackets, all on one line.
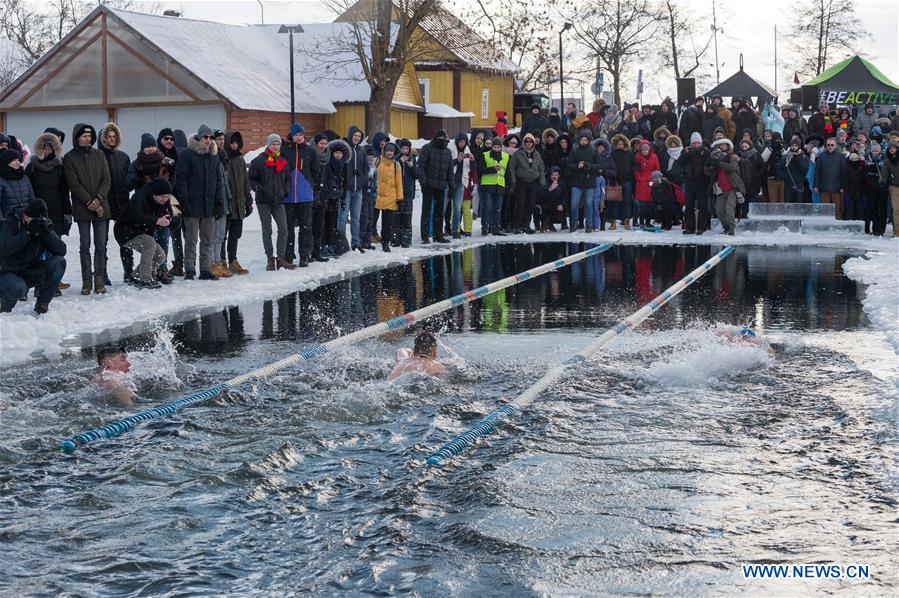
[(741, 85)]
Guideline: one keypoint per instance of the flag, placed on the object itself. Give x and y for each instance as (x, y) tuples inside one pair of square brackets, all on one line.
[(796, 77)]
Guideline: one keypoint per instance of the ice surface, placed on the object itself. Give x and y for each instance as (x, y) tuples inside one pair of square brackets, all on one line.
[(795, 210)]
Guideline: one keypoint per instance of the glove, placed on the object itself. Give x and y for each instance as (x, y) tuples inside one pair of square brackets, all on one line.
[(219, 210), (36, 227), (249, 207)]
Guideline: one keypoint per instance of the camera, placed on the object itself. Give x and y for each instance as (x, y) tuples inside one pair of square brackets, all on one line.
[(37, 226)]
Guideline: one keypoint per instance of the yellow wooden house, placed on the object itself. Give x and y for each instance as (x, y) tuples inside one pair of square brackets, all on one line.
[(455, 66)]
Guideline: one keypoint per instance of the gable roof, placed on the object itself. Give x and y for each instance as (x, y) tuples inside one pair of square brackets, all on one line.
[(857, 72), (742, 85)]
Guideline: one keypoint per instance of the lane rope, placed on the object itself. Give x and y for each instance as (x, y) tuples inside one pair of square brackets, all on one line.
[(398, 323), (489, 423)]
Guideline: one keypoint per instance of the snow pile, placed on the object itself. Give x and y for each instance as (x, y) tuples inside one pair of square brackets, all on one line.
[(878, 271)]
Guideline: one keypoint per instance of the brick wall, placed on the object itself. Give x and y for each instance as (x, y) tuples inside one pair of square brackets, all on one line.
[(256, 125)]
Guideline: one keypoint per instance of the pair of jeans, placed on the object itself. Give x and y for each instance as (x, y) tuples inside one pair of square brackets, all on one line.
[(367, 219), (198, 229), (579, 195), (491, 205), (268, 212), (219, 232), (458, 192), (525, 198), (621, 210), (13, 286), (235, 230), (351, 207), (301, 219), (151, 256), (176, 232), (432, 213), (100, 228)]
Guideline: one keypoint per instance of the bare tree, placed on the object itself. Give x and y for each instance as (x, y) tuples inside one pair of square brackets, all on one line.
[(616, 32), (822, 29), (523, 30), (685, 44)]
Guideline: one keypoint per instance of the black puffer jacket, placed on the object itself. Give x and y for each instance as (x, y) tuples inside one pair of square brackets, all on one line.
[(356, 163), (49, 181), (435, 164), (270, 185), (584, 178), (20, 251), (118, 163), (142, 212), (692, 162), (200, 183)]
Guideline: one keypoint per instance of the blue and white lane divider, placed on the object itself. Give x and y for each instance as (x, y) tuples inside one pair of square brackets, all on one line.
[(525, 399), (398, 323)]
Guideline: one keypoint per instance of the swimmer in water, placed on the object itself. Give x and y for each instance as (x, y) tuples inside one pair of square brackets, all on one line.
[(745, 335), (422, 358), (113, 378)]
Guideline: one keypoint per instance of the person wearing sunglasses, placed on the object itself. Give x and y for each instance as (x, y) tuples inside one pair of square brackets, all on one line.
[(165, 141), (200, 189), (830, 176)]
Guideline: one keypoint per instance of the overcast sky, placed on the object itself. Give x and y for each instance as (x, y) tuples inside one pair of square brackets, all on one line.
[(748, 28)]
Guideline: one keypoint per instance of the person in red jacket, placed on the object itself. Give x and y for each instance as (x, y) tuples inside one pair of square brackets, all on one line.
[(501, 128), (647, 163)]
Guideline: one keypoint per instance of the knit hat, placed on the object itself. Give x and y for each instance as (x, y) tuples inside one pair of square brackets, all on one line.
[(218, 133), (274, 137), (318, 137), (796, 140), (36, 208), (297, 128), (404, 143), (497, 142), (160, 186), (147, 140), (4, 138), (8, 155), (655, 177), (390, 146), (203, 131), (695, 137)]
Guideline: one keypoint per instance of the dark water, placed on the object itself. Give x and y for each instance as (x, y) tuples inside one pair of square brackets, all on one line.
[(659, 467)]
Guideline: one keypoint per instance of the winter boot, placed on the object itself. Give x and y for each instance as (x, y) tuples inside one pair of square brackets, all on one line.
[(270, 266), (207, 275), (627, 224), (99, 284), (86, 286), (236, 268), (41, 308), (63, 286), (385, 247), (613, 225), (177, 269), (6, 305), (304, 261), (283, 263)]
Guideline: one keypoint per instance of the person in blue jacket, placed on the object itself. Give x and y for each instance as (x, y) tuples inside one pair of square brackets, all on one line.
[(298, 203)]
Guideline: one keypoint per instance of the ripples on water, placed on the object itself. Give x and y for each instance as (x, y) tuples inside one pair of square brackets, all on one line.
[(659, 467)]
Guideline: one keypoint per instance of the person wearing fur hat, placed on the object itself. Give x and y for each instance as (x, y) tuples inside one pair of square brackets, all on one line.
[(31, 256), (724, 168), (727, 116), (692, 163), (270, 176), (48, 181), (200, 189), (792, 167), (389, 189), (241, 198), (332, 192), (595, 115), (830, 176), (492, 185), (647, 163), (435, 164), (403, 220), (625, 168), (527, 174), (87, 175), (15, 187), (118, 163), (149, 210)]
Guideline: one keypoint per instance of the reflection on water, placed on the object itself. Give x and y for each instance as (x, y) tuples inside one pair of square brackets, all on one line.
[(771, 288)]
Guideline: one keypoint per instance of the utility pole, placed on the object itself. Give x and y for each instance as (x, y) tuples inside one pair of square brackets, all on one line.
[(261, 10), (775, 58), (715, 33), (291, 29)]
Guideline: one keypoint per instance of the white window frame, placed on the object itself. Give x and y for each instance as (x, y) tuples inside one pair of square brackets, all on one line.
[(485, 103), (424, 85)]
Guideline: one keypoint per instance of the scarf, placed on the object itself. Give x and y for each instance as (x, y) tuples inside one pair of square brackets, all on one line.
[(675, 152), (828, 124), (11, 174), (274, 160), (46, 164), (580, 121)]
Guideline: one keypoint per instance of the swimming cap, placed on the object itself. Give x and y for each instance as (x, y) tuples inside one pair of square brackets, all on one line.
[(746, 332)]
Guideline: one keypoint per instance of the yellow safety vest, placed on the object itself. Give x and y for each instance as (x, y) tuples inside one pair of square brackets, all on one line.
[(495, 178)]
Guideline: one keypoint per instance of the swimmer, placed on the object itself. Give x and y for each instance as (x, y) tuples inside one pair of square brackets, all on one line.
[(422, 358), (745, 335), (113, 377)]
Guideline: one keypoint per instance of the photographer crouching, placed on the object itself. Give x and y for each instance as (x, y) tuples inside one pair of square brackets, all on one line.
[(31, 256)]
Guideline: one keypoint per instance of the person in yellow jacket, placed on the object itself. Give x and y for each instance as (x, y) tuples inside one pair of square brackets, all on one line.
[(389, 185)]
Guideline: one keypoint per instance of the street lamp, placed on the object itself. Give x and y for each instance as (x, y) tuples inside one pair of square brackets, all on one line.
[(565, 28), (291, 29)]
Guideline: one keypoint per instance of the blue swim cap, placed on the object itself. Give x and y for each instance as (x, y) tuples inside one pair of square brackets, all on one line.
[(746, 332)]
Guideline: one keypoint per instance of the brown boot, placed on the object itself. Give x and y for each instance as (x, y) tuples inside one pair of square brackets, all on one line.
[(282, 263), (220, 270), (613, 226), (99, 284), (627, 224), (63, 286), (236, 268), (270, 266), (86, 286)]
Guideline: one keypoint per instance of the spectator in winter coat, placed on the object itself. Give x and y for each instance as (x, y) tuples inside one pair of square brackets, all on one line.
[(298, 203), (745, 120), (794, 125), (501, 128), (270, 178), (866, 119), (149, 165), (728, 187), (549, 149), (149, 210), (527, 175), (551, 202), (792, 166), (333, 191), (821, 123), (625, 168), (356, 182), (658, 141), (15, 188), (409, 165), (752, 171), (435, 165), (876, 190), (668, 160), (830, 176), (609, 121), (389, 178), (492, 185), (692, 162), (584, 165), (31, 256), (165, 142), (220, 226), (855, 205), (87, 175), (712, 122), (647, 163), (464, 168), (629, 126), (200, 189), (241, 198), (691, 121), (554, 121), (606, 175), (48, 181), (118, 164), (844, 122), (772, 119), (664, 117), (891, 179), (664, 200), (730, 127), (535, 122)]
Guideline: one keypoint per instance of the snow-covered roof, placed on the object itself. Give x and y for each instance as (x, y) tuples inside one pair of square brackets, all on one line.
[(438, 110), (469, 47), (248, 64)]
